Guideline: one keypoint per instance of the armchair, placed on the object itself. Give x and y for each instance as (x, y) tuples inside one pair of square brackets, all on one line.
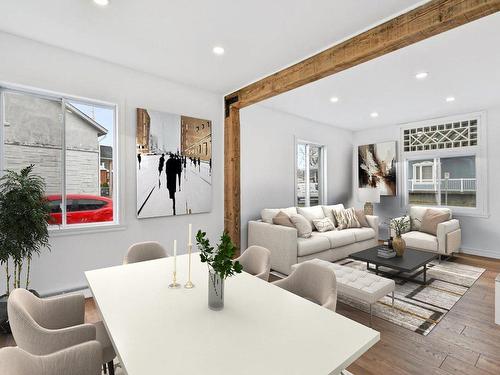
[(313, 282), (256, 260), (448, 237), (44, 326), (82, 359)]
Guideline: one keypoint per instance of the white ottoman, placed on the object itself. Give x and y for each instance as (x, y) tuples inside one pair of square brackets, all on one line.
[(361, 285)]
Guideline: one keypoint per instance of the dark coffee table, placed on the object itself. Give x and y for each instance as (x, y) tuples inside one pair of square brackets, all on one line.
[(411, 260)]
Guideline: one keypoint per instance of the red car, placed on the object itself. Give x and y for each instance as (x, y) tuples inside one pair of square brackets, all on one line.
[(81, 208)]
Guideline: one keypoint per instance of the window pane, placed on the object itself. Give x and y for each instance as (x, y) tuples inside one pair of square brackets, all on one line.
[(89, 163), (33, 135), (314, 174), (301, 170), (458, 181), (422, 185)]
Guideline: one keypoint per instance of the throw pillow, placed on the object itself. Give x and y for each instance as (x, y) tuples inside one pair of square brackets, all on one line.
[(311, 213), (431, 219), (283, 219), (267, 214), (360, 215), (328, 211), (323, 225), (304, 229), (346, 219)]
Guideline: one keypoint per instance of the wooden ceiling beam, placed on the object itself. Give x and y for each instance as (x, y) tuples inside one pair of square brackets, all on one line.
[(416, 25)]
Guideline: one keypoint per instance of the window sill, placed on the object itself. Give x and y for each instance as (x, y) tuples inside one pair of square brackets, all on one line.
[(81, 229)]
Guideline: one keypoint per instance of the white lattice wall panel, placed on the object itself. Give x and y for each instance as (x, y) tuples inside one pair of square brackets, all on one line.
[(443, 136)]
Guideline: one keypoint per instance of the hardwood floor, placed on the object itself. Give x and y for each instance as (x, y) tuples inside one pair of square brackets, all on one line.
[(465, 342)]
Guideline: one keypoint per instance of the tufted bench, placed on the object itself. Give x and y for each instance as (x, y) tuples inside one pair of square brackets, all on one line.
[(360, 285)]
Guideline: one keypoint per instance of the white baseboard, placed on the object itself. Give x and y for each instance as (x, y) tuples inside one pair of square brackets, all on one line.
[(481, 253)]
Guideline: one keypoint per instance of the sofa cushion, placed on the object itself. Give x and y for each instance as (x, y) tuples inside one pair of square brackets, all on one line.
[(267, 214), (328, 211), (361, 234), (311, 213), (339, 238), (312, 245), (417, 214), (304, 229), (431, 220), (420, 240)]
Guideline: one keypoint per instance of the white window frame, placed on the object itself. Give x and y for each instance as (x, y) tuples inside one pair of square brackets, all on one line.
[(322, 173), (64, 228), (480, 153)]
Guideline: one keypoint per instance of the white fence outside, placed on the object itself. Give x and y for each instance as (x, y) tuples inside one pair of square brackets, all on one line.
[(455, 185)]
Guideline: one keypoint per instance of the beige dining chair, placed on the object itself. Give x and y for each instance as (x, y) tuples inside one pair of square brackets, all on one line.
[(256, 260), (313, 282), (144, 251), (81, 359), (44, 326)]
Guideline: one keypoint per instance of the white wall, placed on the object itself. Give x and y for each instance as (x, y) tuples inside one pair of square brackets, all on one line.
[(30, 63), (480, 236), (268, 160)]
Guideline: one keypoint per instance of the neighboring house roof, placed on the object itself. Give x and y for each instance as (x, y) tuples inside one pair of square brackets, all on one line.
[(106, 152), (100, 129)]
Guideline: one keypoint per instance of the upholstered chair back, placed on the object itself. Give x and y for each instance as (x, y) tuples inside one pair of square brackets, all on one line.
[(417, 213), (82, 359), (313, 282), (42, 326), (144, 251), (256, 260)]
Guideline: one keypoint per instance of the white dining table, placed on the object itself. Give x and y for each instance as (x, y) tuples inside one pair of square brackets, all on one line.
[(262, 329)]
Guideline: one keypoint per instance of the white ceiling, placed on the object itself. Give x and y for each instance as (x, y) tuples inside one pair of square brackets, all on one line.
[(174, 38), (463, 63)]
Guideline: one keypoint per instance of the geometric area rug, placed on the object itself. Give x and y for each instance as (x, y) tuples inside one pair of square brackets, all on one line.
[(420, 307)]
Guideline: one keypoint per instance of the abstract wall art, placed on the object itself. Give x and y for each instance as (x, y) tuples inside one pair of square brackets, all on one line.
[(377, 167)]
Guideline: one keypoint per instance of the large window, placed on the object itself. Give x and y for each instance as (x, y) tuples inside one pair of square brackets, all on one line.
[(71, 145), (444, 181), (310, 174), (445, 164)]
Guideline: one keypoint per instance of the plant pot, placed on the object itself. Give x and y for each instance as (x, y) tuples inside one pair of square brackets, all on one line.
[(399, 245), (215, 291), (4, 318)]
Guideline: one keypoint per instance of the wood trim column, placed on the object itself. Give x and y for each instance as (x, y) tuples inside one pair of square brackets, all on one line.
[(232, 219)]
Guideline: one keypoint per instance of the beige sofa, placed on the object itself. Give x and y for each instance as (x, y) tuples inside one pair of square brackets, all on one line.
[(449, 235), (287, 249)]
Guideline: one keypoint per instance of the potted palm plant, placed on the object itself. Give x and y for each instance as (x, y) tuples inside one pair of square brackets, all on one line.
[(220, 266), (24, 218)]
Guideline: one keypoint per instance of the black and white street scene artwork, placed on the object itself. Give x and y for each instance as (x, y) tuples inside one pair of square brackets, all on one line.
[(173, 164)]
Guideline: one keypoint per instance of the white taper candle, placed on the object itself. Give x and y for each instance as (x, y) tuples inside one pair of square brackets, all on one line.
[(190, 234), (175, 255)]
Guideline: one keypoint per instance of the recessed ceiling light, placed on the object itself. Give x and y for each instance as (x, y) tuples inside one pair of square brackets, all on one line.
[(102, 3), (334, 99), (374, 114), (450, 99), (217, 50), (421, 75)]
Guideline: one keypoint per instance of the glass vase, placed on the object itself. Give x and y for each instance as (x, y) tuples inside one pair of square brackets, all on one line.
[(215, 291)]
